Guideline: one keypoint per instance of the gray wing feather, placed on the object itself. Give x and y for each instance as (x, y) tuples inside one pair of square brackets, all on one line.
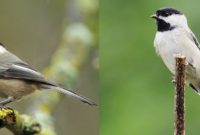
[(19, 71), (193, 37), (13, 67)]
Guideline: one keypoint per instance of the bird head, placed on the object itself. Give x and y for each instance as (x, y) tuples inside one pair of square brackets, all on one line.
[(169, 18)]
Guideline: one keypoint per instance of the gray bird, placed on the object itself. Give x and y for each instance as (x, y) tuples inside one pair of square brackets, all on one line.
[(18, 79), (174, 37)]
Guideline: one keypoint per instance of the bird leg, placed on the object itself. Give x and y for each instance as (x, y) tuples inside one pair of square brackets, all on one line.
[(6, 101), (173, 80)]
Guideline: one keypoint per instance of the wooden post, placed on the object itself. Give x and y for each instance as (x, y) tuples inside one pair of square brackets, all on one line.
[(179, 97)]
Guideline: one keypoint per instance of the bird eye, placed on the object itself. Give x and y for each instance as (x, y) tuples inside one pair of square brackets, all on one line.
[(166, 14)]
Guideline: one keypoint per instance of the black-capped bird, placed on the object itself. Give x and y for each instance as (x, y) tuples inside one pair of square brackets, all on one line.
[(174, 37)]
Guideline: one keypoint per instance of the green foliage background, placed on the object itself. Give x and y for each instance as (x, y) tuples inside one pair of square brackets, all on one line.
[(137, 95)]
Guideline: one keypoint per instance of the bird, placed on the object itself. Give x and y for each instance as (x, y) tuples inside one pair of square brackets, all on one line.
[(174, 37), (18, 79)]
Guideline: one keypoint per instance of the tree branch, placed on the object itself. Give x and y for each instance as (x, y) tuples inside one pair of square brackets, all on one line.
[(180, 106), (18, 124)]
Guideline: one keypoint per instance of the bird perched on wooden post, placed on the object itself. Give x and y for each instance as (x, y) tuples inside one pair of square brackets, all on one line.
[(174, 37)]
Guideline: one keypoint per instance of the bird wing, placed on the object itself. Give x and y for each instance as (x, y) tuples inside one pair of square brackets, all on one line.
[(13, 67), (191, 68), (191, 77), (23, 71), (194, 39), (191, 71)]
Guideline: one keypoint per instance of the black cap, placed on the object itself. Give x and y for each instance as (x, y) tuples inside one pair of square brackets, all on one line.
[(167, 12)]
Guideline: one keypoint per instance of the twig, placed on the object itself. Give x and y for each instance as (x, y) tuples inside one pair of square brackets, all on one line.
[(180, 106), (17, 123)]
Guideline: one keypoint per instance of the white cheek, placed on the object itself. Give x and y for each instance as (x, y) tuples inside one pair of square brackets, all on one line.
[(176, 20), (2, 50)]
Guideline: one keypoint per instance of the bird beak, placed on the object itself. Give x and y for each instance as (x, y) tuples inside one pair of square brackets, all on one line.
[(154, 16)]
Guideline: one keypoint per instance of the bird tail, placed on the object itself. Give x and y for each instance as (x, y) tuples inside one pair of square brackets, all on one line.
[(70, 93)]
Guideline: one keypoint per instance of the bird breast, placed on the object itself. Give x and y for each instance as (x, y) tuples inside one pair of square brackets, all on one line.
[(176, 42)]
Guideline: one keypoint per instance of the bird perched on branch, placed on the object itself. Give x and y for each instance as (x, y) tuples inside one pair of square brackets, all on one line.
[(18, 79), (174, 37)]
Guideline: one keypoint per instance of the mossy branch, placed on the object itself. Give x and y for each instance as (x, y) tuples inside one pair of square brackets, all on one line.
[(18, 124)]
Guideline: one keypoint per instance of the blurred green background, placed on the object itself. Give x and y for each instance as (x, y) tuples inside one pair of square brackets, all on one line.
[(137, 95)]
